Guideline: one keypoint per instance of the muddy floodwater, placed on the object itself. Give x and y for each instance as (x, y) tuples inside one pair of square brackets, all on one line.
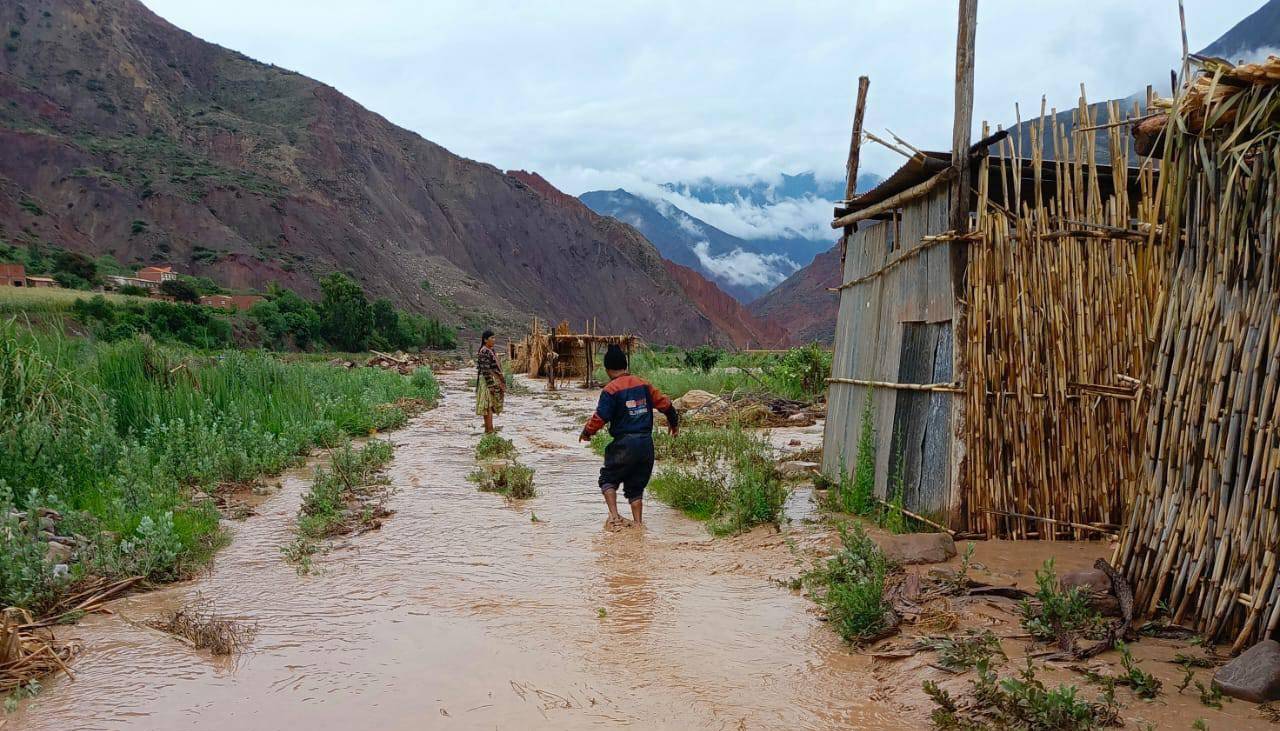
[(465, 612)]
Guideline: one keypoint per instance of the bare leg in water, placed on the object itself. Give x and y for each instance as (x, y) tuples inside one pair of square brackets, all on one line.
[(611, 500), (637, 511)]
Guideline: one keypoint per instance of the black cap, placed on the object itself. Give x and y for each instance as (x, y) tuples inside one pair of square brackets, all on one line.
[(615, 359)]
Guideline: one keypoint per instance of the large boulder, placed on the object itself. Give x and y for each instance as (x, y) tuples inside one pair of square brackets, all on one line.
[(1096, 585), (916, 548), (1254, 676)]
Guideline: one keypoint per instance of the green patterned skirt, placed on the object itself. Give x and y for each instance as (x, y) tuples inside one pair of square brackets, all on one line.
[(488, 398)]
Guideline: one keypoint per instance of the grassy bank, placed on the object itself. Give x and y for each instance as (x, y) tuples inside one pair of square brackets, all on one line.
[(799, 374), (124, 441)]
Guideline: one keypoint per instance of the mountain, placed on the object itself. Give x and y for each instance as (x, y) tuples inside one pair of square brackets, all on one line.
[(801, 304), (121, 134), (739, 326), (741, 268), (1252, 38), (781, 224)]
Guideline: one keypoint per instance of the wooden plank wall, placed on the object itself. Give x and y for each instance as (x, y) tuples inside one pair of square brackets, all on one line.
[(869, 336)]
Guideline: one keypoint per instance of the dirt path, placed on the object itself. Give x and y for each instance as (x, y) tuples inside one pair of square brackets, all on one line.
[(462, 612)]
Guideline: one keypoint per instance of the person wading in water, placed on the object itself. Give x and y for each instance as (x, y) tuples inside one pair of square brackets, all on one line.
[(626, 405), (491, 384)]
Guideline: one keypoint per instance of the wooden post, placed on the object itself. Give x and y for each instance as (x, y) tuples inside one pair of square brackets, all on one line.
[(961, 130), (962, 127), (851, 167)]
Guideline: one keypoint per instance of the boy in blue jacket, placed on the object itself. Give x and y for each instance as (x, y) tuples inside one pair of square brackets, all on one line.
[(626, 405)]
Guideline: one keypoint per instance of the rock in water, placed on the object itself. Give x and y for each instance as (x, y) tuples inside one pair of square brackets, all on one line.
[(1254, 676), (915, 548), (797, 468)]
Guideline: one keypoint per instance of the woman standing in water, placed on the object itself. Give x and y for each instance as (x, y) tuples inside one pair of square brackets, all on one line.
[(491, 384)]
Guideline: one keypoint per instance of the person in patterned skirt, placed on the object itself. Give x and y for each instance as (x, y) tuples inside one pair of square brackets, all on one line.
[(491, 384)]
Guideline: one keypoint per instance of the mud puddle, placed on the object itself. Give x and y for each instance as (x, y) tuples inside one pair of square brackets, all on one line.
[(463, 612)]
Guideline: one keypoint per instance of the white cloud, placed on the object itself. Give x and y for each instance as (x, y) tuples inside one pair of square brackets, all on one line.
[(634, 92), (745, 268), (806, 217)]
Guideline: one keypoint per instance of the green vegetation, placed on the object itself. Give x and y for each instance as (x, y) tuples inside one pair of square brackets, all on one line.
[(187, 324), (703, 358), (337, 502), (1056, 613), (126, 439), (850, 587), (968, 651), (509, 478), (1143, 683), (348, 321), (798, 374), (1020, 702), (181, 290), (855, 493), (728, 479), (493, 446)]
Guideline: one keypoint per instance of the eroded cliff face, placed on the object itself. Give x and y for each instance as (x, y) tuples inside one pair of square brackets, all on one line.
[(122, 134)]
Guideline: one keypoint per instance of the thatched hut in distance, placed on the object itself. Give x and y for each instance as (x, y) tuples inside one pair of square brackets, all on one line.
[(562, 354)]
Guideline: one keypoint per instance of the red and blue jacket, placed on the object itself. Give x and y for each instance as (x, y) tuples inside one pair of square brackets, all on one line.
[(626, 405)]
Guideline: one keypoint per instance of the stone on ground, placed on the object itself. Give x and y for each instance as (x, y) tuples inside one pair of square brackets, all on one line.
[(1254, 676), (694, 399), (917, 548), (796, 468), (1097, 585)]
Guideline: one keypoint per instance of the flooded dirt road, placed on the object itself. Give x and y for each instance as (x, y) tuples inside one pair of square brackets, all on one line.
[(463, 612)]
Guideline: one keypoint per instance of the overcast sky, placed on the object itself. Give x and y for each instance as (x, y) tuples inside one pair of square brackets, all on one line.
[(628, 94)]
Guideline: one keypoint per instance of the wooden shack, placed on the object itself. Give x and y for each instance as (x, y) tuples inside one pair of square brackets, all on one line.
[(993, 328)]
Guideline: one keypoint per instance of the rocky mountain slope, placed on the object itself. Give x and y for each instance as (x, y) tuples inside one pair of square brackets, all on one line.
[(738, 325), (739, 267), (802, 304), (121, 134)]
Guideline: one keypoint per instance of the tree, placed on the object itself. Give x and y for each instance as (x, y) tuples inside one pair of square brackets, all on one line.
[(386, 325), (346, 318), (180, 290), (76, 265)]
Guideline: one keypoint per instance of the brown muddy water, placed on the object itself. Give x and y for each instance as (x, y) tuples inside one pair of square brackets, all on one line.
[(465, 613), (462, 612)]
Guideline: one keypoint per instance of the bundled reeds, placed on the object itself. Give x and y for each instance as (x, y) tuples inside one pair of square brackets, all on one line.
[(1202, 536), (28, 653), (1062, 291)]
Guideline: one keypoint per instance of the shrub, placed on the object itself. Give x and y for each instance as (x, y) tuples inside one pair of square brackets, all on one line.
[(850, 587), (968, 651), (703, 357), (134, 290), (508, 478), (1057, 614), (800, 374), (755, 497), (492, 446), (1020, 702), (698, 492), (729, 479)]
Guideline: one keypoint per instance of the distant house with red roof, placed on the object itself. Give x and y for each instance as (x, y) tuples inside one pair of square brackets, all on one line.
[(157, 274)]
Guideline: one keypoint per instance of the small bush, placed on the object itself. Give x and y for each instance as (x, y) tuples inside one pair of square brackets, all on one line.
[(492, 446), (1020, 702), (967, 651), (850, 587), (698, 492), (337, 501), (1056, 614), (507, 478), (199, 624), (1143, 683), (703, 358), (755, 497)]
